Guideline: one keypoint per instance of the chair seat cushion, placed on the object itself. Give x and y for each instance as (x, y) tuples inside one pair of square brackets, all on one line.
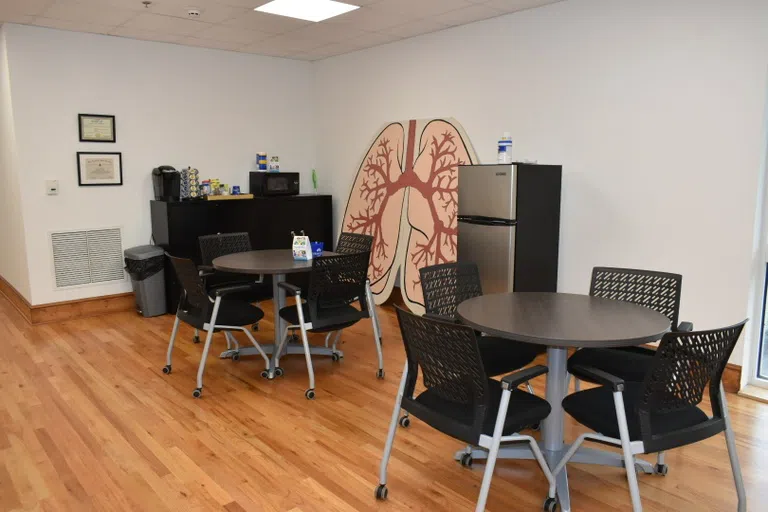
[(238, 313), (629, 363), (594, 408), (524, 410), (501, 355), (328, 319)]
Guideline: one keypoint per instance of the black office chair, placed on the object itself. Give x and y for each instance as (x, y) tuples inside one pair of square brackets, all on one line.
[(659, 291), (661, 412), (221, 244), (335, 283), (460, 400), (221, 312), (351, 243)]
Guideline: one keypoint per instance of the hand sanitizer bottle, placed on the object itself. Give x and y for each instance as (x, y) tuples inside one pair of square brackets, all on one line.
[(505, 149)]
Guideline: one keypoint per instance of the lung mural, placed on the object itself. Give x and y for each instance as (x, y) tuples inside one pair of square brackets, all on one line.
[(405, 195)]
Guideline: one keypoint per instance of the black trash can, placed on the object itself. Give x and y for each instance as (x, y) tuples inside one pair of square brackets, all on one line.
[(146, 266)]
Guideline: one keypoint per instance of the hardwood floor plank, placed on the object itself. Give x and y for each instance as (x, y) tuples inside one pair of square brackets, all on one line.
[(88, 422)]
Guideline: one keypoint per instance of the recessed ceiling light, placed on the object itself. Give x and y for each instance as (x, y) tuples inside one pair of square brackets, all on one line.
[(310, 10)]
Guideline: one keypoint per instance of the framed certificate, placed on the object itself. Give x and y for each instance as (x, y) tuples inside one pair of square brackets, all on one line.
[(98, 169), (97, 128)]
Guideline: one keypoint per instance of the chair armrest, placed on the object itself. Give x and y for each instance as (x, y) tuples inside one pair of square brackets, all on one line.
[(442, 318), (205, 270), (233, 288), (684, 327), (601, 377), (290, 288), (513, 380)]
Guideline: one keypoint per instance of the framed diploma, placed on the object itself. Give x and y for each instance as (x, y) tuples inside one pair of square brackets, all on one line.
[(97, 169), (97, 128)]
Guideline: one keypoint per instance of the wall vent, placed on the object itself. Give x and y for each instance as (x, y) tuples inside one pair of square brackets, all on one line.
[(87, 257)]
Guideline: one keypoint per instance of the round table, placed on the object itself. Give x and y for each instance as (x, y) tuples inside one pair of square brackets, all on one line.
[(277, 263), (561, 321)]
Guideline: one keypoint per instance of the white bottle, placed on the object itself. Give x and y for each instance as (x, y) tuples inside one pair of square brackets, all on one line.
[(505, 149)]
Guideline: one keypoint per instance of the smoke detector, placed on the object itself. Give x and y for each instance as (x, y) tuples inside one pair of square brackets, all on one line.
[(193, 13)]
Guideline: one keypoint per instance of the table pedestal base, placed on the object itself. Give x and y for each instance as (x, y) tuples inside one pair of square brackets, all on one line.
[(582, 456), (290, 348)]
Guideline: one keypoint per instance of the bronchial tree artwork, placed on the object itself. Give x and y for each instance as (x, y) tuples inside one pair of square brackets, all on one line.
[(405, 195)]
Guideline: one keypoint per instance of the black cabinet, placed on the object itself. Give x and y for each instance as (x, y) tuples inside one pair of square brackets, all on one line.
[(269, 221)]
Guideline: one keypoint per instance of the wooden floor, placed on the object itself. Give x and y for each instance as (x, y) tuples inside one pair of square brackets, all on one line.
[(89, 422)]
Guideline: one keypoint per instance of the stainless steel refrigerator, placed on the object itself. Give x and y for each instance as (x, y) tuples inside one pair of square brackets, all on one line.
[(509, 225)]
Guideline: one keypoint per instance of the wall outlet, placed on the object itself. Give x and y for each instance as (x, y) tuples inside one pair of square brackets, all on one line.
[(52, 187)]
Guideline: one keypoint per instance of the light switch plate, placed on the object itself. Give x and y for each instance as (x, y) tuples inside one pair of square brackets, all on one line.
[(52, 187)]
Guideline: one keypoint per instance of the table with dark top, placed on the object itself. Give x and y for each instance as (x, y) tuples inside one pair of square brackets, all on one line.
[(561, 321), (277, 263)]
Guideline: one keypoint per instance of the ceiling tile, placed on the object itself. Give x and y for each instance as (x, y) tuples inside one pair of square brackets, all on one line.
[(16, 18), (327, 33), (288, 43), (268, 23), (250, 4), (408, 10), (326, 51), (231, 34), (369, 20), (9, 8), (468, 15), (89, 11), (208, 43), (371, 39), (75, 26), (210, 11), (147, 35), (415, 28), (517, 5), (168, 24)]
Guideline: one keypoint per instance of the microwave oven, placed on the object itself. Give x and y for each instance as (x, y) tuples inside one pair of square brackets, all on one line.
[(274, 183)]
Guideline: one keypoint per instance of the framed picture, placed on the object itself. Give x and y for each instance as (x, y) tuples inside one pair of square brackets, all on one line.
[(97, 128), (98, 169)]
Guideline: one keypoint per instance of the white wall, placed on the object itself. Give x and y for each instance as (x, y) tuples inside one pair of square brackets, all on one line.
[(175, 105), (13, 257), (654, 108)]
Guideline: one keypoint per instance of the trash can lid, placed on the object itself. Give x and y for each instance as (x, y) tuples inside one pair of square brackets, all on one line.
[(143, 252)]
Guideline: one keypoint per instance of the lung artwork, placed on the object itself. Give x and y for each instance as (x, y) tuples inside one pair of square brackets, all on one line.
[(405, 195)]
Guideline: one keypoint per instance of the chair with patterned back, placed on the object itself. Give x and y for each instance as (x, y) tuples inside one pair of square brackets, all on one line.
[(211, 311), (351, 243), (335, 284), (659, 291), (661, 412), (458, 398)]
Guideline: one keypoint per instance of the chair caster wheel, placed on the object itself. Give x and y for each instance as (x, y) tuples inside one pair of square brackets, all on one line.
[(335, 357), (167, 369), (197, 393), (381, 492), (279, 372), (466, 460), (255, 327), (551, 505), (265, 374), (536, 427), (380, 373), (310, 394), (196, 339), (235, 356), (405, 422), (661, 469), (294, 338)]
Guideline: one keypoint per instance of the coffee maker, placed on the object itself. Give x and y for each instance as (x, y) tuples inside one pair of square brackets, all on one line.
[(167, 183)]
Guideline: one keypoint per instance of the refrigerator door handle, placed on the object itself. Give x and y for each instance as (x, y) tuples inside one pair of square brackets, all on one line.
[(486, 221)]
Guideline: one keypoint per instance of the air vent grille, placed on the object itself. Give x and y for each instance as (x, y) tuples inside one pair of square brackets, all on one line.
[(87, 257)]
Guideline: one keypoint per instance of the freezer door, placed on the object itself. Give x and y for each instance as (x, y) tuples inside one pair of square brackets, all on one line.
[(487, 190), (492, 248)]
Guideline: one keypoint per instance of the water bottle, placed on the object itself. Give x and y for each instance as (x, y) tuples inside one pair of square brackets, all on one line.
[(505, 149)]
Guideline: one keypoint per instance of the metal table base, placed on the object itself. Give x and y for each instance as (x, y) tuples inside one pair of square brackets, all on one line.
[(551, 444)]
